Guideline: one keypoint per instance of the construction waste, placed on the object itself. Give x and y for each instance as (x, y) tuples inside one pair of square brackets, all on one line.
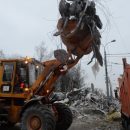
[(85, 102), (113, 113)]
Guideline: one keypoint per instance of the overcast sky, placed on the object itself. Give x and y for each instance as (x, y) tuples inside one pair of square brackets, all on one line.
[(24, 24)]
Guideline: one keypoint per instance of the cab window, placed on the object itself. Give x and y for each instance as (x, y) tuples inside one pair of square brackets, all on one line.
[(8, 72), (23, 74)]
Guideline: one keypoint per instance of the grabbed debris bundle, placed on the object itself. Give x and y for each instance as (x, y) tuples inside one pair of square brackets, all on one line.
[(78, 28)]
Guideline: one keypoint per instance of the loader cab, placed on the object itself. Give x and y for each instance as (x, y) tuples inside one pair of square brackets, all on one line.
[(7, 74), (18, 75)]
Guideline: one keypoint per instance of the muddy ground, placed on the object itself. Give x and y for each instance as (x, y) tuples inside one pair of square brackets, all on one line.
[(96, 125), (83, 124)]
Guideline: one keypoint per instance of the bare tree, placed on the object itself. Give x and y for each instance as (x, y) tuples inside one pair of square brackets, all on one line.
[(77, 78), (2, 55), (70, 80), (42, 53)]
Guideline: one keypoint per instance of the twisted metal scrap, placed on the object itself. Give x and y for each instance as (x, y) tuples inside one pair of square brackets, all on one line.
[(78, 28)]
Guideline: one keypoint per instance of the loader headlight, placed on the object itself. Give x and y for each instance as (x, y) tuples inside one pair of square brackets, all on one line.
[(26, 89), (26, 62), (37, 67)]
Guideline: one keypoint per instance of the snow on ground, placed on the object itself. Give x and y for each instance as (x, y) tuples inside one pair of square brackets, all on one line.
[(89, 111), (85, 125), (95, 124)]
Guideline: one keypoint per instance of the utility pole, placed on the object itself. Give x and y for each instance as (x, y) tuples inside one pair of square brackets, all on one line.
[(106, 71), (111, 93), (106, 75)]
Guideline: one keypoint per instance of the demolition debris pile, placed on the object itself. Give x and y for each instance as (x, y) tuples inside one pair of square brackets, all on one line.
[(90, 110), (86, 102)]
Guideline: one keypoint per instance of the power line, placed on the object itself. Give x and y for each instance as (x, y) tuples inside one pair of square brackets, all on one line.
[(116, 63), (120, 54)]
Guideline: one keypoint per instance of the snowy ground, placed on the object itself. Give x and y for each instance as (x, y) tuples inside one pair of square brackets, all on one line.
[(95, 125), (86, 123), (89, 112)]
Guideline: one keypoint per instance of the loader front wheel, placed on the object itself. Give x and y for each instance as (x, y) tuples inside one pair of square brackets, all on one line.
[(37, 118), (64, 116)]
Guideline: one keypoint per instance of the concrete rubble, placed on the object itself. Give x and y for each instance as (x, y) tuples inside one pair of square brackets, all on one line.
[(90, 110)]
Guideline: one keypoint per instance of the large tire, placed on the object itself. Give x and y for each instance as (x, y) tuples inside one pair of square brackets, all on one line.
[(37, 117), (64, 116)]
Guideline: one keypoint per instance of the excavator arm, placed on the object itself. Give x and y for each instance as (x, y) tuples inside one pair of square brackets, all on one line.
[(53, 69)]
